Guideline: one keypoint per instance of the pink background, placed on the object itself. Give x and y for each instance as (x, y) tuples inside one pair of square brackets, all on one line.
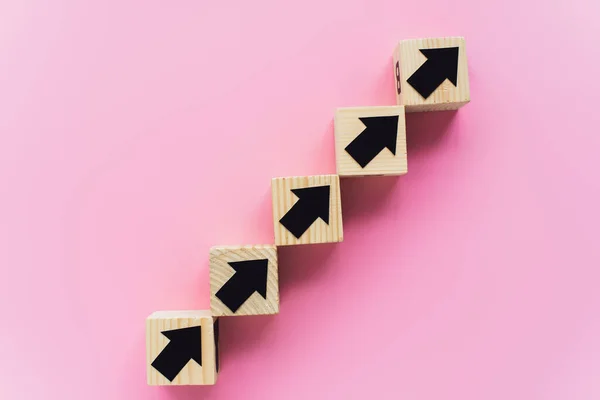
[(136, 134)]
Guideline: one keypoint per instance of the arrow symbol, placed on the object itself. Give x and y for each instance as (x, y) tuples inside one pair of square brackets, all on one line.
[(184, 345), (441, 64), (379, 133), (250, 276), (216, 338), (312, 204)]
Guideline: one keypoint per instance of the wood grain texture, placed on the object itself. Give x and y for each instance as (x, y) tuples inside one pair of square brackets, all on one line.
[(221, 272), (192, 373), (348, 126), (446, 96), (284, 199)]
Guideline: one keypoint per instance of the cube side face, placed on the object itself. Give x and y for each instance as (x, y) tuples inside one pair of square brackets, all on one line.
[(445, 96), (287, 206), (210, 350), (397, 75), (156, 343), (352, 150), (224, 284)]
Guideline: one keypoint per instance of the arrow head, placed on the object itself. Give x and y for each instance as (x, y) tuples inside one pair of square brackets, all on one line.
[(187, 340), (253, 274), (316, 201), (445, 61), (384, 130)]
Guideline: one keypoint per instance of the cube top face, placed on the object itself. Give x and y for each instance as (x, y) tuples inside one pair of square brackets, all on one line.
[(244, 280), (431, 74), (307, 210), (182, 348), (370, 141)]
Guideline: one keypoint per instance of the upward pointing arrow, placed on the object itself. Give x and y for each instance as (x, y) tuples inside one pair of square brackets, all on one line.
[(312, 204), (184, 345), (380, 133), (441, 64), (250, 276)]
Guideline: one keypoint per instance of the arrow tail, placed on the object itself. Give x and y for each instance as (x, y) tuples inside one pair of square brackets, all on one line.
[(234, 293), (296, 221), (363, 150), (426, 79), (171, 361)]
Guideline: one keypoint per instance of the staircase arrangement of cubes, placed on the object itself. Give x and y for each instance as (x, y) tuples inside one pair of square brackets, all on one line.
[(182, 347)]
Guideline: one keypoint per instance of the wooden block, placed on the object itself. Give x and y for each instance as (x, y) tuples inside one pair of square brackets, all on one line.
[(431, 74), (182, 348), (370, 141), (244, 280), (307, 210)]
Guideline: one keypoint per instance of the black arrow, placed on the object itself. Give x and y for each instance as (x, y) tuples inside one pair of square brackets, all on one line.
[(312, 204), (250, 276), (184, 345), (441, 64), (216, 338), (380, 133)]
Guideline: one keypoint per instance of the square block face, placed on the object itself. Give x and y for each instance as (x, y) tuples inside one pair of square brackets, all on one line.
[(307, 210), (431, 74), (182, 348), (370, 141), (244, 280)]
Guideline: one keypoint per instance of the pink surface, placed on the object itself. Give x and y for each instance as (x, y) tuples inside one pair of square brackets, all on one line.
[(136, 134)]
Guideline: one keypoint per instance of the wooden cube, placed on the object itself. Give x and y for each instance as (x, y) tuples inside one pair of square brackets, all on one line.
[(182, 348), (244, 280), (307, 210), (370, 141), (431, 74)]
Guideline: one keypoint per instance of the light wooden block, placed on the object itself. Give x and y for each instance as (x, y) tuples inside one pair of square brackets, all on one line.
[(244, 280), (307, 210), (370, 141), (170, 339), (409, 60)]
